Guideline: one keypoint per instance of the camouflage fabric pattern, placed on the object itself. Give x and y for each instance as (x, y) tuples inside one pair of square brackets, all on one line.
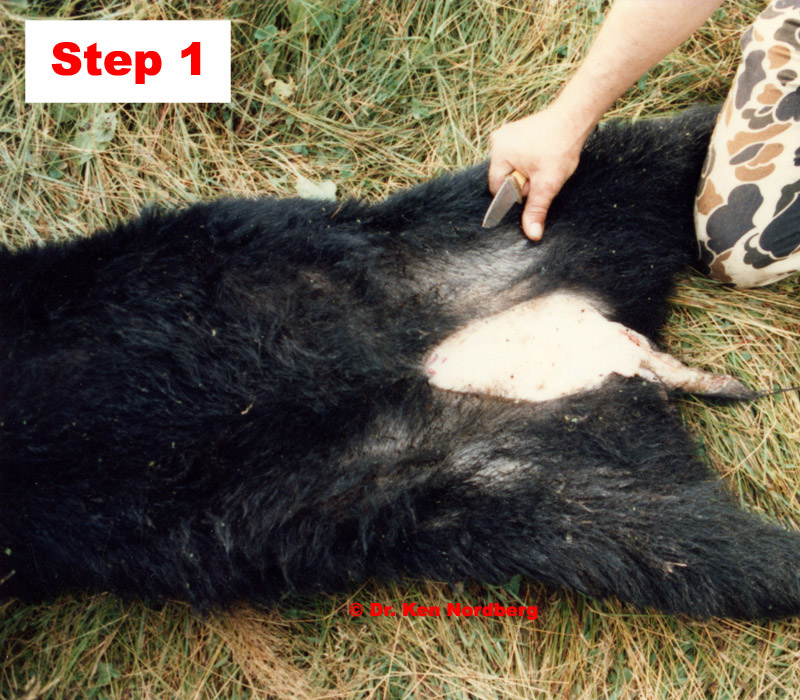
[(747, 211)]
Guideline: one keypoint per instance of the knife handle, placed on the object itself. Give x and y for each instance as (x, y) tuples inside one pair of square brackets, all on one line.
[(520, 178), (519, 181)]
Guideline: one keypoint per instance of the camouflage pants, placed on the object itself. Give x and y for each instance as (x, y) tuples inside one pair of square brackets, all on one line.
[(747, 211)]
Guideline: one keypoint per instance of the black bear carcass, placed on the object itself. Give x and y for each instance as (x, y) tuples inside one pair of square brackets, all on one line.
[(247, 397)]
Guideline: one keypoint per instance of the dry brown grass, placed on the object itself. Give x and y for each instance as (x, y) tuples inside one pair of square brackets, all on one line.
[(375, 96)]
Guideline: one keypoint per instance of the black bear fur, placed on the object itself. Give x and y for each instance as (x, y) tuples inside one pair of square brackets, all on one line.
[(226, 402)]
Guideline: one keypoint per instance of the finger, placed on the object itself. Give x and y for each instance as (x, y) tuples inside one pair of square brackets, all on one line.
[(498, 172)]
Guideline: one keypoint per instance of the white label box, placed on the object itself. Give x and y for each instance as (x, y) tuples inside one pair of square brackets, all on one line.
[(127, 61)]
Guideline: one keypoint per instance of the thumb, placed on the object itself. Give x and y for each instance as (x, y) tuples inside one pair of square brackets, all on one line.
[(534, 214)]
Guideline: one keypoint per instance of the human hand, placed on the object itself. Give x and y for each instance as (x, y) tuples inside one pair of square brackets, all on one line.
[(545, 147)]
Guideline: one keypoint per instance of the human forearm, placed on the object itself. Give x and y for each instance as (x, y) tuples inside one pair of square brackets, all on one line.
[(635, 35), (545, 147)]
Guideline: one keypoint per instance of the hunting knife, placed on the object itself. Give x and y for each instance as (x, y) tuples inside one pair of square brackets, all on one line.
[(509, 194)]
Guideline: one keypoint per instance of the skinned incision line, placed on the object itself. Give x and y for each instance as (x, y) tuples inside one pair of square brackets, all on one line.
[(555, 346)]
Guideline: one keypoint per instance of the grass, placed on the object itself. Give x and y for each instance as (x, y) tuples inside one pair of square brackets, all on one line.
[(374, 96)]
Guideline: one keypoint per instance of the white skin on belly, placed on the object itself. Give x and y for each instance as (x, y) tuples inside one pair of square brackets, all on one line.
[(555, 346)]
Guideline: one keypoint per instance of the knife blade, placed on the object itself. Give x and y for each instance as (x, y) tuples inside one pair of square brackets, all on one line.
[(509, 194)]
